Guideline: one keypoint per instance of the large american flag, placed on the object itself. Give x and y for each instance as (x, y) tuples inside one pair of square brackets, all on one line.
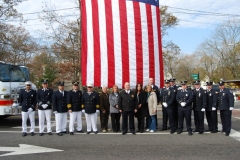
[(121, 42)]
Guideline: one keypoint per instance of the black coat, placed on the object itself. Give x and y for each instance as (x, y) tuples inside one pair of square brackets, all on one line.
[(141, 99), (225, 99), (199, 99), (27, 100), (74, 100), (127, 102), (90, 102), (211, 100), (175, 103), (44, 97), (185, 96), (59, 102), (168, 96)]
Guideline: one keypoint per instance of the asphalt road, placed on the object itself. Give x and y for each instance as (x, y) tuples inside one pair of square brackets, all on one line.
[(158, 145)]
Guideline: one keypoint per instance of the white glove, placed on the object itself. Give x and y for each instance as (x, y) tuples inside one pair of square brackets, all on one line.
[(165, 104), (83, 111), (46, 105), (213, 108), (19, 106), (43, 106), (183, 104), (231, 108), (203, 109), (30, 110), (55, 112), (97, 111)]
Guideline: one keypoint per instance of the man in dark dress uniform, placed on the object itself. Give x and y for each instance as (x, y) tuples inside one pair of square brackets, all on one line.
[(60, 109), (184, 99), (199, 105), (211, 111), (225, 105), (74, 105), (28, 101), (167, 97), (44, 100), (90, 104), (175, 103), (127, 106), (104, 109)]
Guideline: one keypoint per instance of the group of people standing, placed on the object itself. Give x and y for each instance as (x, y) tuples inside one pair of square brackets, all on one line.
[(177, 105)]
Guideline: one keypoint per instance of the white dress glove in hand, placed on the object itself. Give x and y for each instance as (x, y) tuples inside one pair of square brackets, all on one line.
[(183, 104), (165, 104), (231, 108), (83, 111), (30, 110), (55, 112), (97, 111), (203, 109), (213, 109)]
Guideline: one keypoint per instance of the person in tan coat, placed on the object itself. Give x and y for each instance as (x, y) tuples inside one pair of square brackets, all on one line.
[(152, 107)]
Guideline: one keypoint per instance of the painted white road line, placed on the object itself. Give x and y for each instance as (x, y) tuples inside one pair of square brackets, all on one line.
[(26, 149)]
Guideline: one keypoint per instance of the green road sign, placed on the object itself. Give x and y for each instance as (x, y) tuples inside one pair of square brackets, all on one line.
[(195, 76)]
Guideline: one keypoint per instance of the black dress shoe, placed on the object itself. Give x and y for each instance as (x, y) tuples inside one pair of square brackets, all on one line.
[(214, 131), (114, 131), (138, 130), (88, 132), (141, 131), (207, 130), (32, 134), (196, 130), (65, 132), (123, 133), (134, 133), (227, 134), (41, 134), (200, 132), (71, 133), (80, 131), (59, 134), (163, 129), (24, 134), (96, 132), (49, 133), (190, 133), (172, 132), (179, 132)]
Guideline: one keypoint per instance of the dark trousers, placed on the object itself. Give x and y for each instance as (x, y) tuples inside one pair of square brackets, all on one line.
[(199, 121), (212, 120), (104, 119), (115, 118), (226, 120), (125, 116), (165, 118), (171, 115), (175, 110), (141, 124), (187, 115)]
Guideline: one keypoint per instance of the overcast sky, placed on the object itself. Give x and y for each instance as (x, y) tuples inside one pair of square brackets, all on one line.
[(193, 28)]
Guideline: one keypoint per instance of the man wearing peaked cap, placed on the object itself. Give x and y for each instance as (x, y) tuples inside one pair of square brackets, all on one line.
[(44, 100), (225, 105), (27, 99), (164, 109), (90, 105), (175, 103), (184, 99), (60, 109), (211, 111), (74, 105), (167, 97), (199, 105)]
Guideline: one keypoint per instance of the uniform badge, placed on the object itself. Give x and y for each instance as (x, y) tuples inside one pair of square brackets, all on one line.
[(174, 90), (169, 93), (199, 94), (223, 94), (210, 94), (132, 96), (32, 95), (186, 95), (93, 97)]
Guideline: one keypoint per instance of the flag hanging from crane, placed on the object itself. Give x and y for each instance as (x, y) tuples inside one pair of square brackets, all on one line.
[(121, 42)]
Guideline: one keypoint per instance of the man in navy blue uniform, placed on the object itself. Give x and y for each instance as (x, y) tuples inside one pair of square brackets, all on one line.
[(167, 97), (225, 105), (90, 104), (184, 99), (60, 109), (44, 100), (28, 101), (199, 105), (74, 104), (211, 111), (175, 103), (127, 106)]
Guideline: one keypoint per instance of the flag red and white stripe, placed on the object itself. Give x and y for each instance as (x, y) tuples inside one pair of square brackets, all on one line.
[(121, 42)]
